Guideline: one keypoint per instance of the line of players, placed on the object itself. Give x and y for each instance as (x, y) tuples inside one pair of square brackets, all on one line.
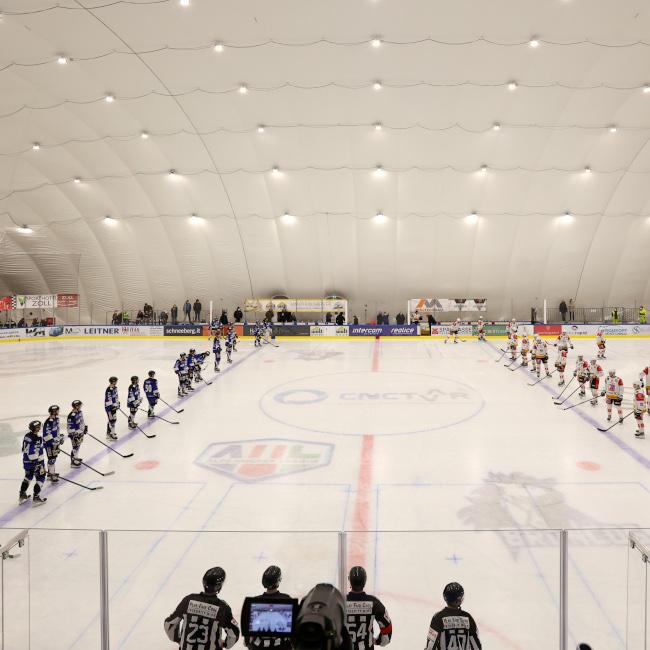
[(587, 373)]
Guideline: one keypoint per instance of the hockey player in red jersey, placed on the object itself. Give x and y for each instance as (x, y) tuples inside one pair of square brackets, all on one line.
[(512, 347), (600, 344), (480, 326), (613, 394)]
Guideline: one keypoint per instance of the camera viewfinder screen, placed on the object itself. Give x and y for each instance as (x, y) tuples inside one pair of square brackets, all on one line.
[(271, 617)]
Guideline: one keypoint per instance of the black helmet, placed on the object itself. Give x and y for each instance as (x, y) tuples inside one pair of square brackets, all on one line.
[(34, 426), (357, 578), (76, 403), (453, 593), (183, 354), (112, 380), (192, 350), (134, 379), (54, 407), (213, 580), (271, 577), (152, 373)]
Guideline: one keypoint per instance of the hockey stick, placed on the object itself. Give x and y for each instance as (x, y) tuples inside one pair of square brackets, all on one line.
[(615, 423), (159, 417), (507, 365), (567, 408), (207, 383), (170, 406), (501, 357), (567, 397), (109, 447), (275, 345), (63, 451), (81, 485), (153, 435), (562, 393), (542, 379)]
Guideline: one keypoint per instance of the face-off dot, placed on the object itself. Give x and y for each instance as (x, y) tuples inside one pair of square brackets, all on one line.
[(147, 464), (588, 465)]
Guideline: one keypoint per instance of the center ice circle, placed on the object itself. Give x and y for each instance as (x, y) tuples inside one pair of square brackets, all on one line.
[(377, 403)]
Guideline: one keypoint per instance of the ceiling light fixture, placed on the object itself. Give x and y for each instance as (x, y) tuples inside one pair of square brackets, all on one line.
[(109, 221), (376, 42), (24, 229), (378, 126), (472, 217), (275, 171), (36, 146), (185, 3), (243, 89), (288, 219), (484, 168), (566, 218), (109, 98), (218, 47), (76, 179), (144, 135), (380, 217), (379, 171), (646, 89), (61, 59), (534, 42), (613, 128), (260, 128), (496, 126), (587, 170), (512, 85), (377, 85), (195, 219)]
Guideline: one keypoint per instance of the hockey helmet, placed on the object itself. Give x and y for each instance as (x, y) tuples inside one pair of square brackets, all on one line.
[(192, 350), (54, 408), (183, 354), (580, 357), (76, 403), (453, 593), (357, 578), (151, 373), (612, 372), (112, 380), (134, 379), (34, 426), (636, 385), (272, 577), (593, 362), (213, 580)]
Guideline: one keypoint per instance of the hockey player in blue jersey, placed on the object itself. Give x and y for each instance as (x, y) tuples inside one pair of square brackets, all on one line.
[(216, 349), (229, 346), (197, 361), (257, 332), (180, 368), (111, 406), (33, 464), (76, 430), (151, 392), (190, 365), (52, 439), (133, 401), (235, 338)]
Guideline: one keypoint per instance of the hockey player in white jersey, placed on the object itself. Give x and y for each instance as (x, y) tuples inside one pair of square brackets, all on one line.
[(453, 331), (541, 356), (480, 326), (581, 373), (512, 347), (640, 408), (595, 373), (600, 344), (560, 365), (563, 342), (613, 393), (525, 349), (52, 439), (513, 328)]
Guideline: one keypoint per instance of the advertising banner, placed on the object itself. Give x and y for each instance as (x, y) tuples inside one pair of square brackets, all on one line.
[(429, 305), (547, 330), (183, 330), (36, 332), (443, 330), (328, 330), (7, 303), (12, 333), (280, 329), (92, 330), (295, 304), (36, 302), (67, 300), (607, 330), (383, 330)]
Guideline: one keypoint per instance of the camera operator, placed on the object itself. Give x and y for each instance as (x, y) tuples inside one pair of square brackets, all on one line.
[(321, 621), (271, 579), (362, 610), (199, 620), (452, 627)]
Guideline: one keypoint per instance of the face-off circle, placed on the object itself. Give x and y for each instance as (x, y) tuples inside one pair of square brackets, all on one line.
[(375, 403)]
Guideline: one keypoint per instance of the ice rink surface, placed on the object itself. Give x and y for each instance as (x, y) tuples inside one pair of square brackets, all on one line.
[(466, 471)]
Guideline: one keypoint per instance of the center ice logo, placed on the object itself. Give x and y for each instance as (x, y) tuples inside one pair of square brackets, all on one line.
[(377, 403), (258, 460)]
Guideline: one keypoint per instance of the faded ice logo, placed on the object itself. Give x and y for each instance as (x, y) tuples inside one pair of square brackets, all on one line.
[(376, 403), (258, 460)]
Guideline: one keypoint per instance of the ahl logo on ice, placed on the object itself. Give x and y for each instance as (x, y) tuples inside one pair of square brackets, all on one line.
[(258, 460)]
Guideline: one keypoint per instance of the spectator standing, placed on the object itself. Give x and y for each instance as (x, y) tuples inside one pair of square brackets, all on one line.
[(380, 318), (400, 319), (431, 319), (174, 314), (328, 317), (355, 320), (163, 317), (203, 620), (386, 318), (269, 314), (572, 313), (197, 310), (223, 319), (238, 315), (114, 319), (643, 315), (340, 319), (563, 310), (187, 310), (453, 627)]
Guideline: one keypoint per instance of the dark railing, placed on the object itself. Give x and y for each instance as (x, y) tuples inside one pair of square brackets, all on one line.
[(610, 315)]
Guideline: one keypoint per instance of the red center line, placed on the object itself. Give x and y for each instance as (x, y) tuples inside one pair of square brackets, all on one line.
[(361, 524)]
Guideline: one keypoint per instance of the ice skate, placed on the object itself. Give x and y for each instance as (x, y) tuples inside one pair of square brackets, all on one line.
[(38, 500), (22, 497)]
